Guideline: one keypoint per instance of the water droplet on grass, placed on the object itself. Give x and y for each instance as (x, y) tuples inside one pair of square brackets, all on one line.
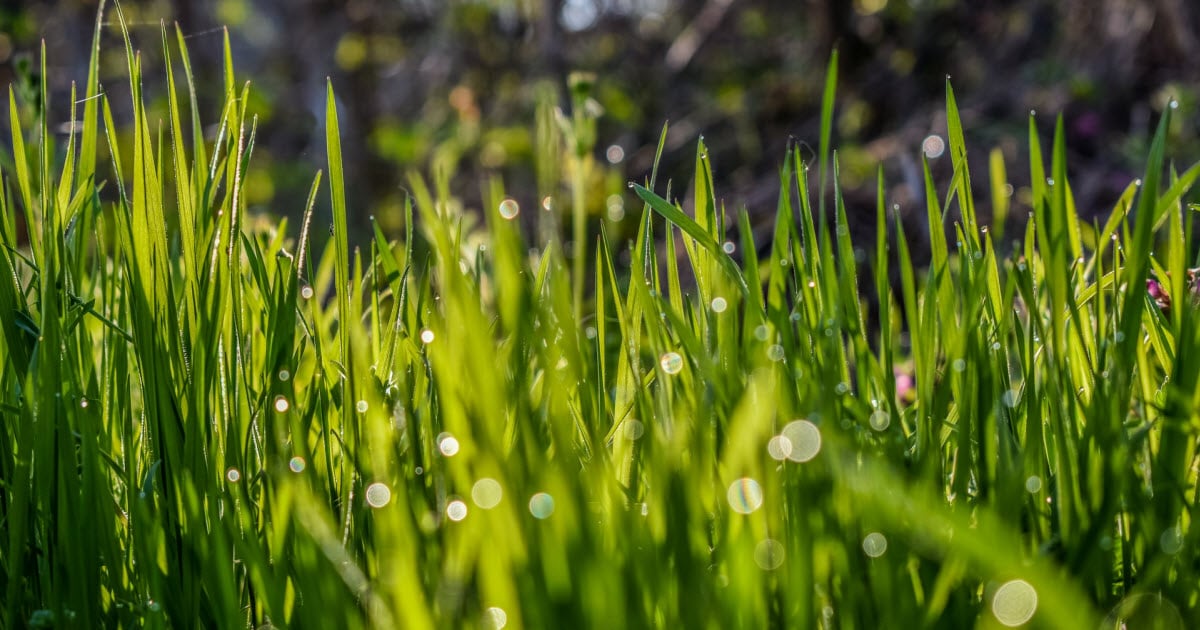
[(362, 406), (296, 464), (959, 365), (875, 544), (616, 208), (456, 510), (775, 352), (306, 292), (719, 305), (614, 154), (1145, 610), (83, 402), (233, 475), (378, 495), (728, 247), (779, 447), (486, 493), (509, 209), (805, 438), (1014, 603), (1171, 540), (495, 618), (1033, 484), (427, 336), (880, 420), (282, 404), (447, 444), (284, 375), (633, 429), (541, 505), (933, 146), (744, 495), (671, 363), (769, 554)]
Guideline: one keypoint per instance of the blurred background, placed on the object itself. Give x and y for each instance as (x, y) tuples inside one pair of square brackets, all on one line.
[(456, 85)]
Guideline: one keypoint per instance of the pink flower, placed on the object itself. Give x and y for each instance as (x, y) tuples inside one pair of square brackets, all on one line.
[(1159, 294), (906, 385)]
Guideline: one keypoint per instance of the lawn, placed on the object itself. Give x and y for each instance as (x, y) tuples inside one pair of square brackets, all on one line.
[(215, 420)]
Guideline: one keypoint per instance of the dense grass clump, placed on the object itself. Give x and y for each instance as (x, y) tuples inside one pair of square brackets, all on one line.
[(208, 425)]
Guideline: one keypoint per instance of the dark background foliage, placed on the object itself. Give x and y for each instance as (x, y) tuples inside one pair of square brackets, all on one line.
[(456, 84)]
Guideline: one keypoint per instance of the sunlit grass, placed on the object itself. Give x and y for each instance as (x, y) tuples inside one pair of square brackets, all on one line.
[(216, 425)]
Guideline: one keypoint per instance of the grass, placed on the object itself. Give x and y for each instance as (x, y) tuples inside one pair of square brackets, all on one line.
[(209, 425)]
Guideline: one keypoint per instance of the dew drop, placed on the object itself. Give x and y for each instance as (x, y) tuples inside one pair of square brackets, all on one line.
[(719, 305), (671, 363), (775, 352), (1033, 484), (447, 444), (1014, 603), (541, 505), (495, 618), (805, 438), (486, 493), (615, 154), (769, 554), (426, 336), (509, 209), (728, 247), (306, 292), (933, 146), (880, 420), (284, 375), (875, 544), (456, 510), (378, 495), (233, 475), (616, 208), (83, 402), (282, 404), (1144, 610), (633, 429), (779, 447), (362, 406), (1171, 540), (296, 464), (745, 495)]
